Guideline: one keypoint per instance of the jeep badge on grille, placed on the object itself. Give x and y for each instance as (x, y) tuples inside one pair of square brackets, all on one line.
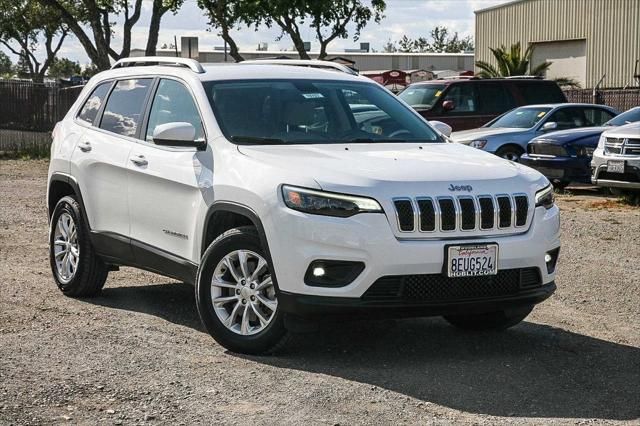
[(467, 188)]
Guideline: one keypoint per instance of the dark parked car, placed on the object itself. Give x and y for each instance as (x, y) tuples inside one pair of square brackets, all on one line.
[(470, 103), (565, 156)]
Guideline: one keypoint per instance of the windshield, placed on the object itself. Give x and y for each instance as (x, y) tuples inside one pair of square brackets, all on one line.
[(313, 112), (630, 116), (521, 118), (422, 96)]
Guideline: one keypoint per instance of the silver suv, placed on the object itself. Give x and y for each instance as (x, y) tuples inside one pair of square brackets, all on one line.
[(616, 161)]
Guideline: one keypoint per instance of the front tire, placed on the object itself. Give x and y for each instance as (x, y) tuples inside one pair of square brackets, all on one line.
[(510, 152), (236, 294), (498, 320), (76, 268)]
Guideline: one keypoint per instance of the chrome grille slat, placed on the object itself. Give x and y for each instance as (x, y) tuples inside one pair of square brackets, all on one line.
[(445, 214)]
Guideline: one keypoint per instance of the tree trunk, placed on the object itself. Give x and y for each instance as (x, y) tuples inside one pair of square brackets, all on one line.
[(154, 27), (233, 47)]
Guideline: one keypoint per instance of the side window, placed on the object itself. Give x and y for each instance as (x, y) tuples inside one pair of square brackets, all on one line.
[(125, 105), (569, 118), (172, 103), (463, 97), (92, 105), (540, 93), (494, 98), (596, 116)]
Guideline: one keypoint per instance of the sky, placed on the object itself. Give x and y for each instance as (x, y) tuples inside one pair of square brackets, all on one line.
[(415, 18)]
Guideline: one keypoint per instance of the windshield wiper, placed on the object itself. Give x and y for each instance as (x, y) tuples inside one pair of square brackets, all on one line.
[(372, 140), (255, 140)]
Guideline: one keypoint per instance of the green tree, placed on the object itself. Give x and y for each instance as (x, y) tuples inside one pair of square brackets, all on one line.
[(89, 71), (97, 16), (158, 10), (6, 66), (224, 15), (440, 40), (24, 26), (511, 61), (64, 67)]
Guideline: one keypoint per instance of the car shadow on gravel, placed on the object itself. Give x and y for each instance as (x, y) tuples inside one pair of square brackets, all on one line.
[(531, 370), (174, 302)]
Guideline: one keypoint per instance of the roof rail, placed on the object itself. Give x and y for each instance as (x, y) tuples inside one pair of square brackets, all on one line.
[(311, 63), (192, 64), (526, 77)]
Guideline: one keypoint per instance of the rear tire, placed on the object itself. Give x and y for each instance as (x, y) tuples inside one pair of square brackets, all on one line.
[(76, 268), (234, 272), (510, 152), (499, 320)]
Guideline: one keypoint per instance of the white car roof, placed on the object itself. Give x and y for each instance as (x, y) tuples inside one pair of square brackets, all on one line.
[(233, 71)]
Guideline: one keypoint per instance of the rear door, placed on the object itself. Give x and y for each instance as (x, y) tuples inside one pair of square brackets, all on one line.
[(102, 153), (494, 98), (164, 182)]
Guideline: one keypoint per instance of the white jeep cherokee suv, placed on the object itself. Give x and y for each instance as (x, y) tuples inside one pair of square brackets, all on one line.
[(285, 193)]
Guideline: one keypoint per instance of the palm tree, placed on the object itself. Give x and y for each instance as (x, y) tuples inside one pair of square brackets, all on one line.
[(511, 62)]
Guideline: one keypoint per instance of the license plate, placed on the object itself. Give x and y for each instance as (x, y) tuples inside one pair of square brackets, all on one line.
[(472, 260), (615, 166)]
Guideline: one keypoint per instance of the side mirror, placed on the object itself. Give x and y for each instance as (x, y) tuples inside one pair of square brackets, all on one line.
[(551, 125), (443, 128), (448, 105), (178, 133)]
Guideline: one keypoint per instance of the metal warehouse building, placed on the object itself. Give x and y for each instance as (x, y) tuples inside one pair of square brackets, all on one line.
[(585, 39)]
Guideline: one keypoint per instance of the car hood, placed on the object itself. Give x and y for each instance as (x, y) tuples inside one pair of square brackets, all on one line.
[(466, 136), (562, 137), (402, 167)]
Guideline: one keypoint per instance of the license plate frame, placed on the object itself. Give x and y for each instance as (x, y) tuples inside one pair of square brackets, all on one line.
[(615, 166), (453, 251)]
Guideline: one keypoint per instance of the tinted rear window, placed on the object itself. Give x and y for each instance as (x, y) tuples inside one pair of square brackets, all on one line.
[(122, 114), (541, 93), (92, 105), (494, 98)]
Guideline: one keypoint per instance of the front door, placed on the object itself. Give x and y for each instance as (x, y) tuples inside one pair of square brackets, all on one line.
[(165, 183)]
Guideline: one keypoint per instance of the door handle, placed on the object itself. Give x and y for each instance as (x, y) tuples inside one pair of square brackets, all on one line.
[(85, 146), (139, 160)]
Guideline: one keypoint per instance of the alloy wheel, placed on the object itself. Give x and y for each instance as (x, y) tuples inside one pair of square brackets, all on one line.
[(243, 293), (66, 250)]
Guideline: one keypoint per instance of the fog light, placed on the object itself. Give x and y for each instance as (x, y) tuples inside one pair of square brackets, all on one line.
[(551, 258), (332, 273), (318, 271)]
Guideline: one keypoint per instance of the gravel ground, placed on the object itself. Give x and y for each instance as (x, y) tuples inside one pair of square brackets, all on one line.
[(138, 353)]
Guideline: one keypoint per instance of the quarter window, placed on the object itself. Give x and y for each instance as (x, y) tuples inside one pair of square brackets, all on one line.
[(124, 107), (92, 105), (173, 103)]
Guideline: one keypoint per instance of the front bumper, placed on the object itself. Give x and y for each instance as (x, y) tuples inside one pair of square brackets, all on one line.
[(560, 169), (630, 179), (296, 239), (314, 306)]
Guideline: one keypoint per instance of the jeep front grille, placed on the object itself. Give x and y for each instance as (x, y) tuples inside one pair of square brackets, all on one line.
[(462, 213)]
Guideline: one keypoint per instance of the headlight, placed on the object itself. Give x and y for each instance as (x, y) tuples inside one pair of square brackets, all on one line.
[(545, 197), (327, 203), (583, 151), (601, 142), (480, 143)]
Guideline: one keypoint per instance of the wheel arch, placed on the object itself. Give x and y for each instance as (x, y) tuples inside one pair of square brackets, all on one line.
[(514, 145), (62, 185), (225, 215)]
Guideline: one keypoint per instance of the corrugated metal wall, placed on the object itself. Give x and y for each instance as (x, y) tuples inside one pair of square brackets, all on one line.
[(611, 29)]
